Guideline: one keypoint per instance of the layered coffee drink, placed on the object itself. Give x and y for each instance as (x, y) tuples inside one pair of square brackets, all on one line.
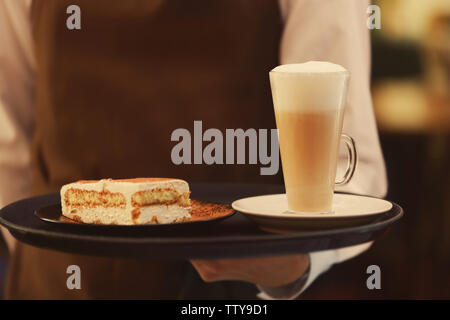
[(309, 102)]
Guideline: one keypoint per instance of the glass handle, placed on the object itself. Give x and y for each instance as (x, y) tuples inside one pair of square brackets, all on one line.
[(352, 159)]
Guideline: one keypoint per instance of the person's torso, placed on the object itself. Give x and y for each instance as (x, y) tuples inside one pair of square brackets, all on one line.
[(110, 95), (108, 98)]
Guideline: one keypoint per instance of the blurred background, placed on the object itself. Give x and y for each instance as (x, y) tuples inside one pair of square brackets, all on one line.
[(410, 86), (411, 95)]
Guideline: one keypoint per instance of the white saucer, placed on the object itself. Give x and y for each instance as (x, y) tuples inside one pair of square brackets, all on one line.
[(271, 212)]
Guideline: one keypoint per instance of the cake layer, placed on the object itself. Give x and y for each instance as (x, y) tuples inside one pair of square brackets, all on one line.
[(156, 214), (127, 201), (92, 199)]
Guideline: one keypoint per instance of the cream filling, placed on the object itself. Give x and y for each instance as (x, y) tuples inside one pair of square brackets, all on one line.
[(163, 214)]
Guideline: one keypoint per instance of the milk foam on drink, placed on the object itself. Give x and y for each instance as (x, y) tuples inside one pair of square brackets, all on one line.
[(309, 100)]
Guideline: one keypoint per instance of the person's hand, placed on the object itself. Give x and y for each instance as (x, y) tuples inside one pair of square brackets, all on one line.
[(266, 272)]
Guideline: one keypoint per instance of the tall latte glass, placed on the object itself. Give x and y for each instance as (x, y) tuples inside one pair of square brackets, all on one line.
[(309, 101)]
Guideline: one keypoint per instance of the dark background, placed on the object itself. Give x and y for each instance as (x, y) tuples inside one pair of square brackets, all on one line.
[(410, 87)]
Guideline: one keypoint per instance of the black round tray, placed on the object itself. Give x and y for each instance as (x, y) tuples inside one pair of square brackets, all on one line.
[(232, 237)]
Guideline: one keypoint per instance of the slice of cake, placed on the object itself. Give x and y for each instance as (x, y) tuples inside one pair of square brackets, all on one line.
[(127, 201)]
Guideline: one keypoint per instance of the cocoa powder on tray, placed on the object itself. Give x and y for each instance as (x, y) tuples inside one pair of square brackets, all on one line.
[(201, 210)]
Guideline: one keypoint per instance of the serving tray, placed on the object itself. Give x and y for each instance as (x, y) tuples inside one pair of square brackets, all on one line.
[(232, 237)]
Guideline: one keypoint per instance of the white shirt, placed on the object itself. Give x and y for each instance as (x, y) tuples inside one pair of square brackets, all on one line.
[(333, 30)]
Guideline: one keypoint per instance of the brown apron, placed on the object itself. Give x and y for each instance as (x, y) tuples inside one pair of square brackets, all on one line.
[(110, 95)]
